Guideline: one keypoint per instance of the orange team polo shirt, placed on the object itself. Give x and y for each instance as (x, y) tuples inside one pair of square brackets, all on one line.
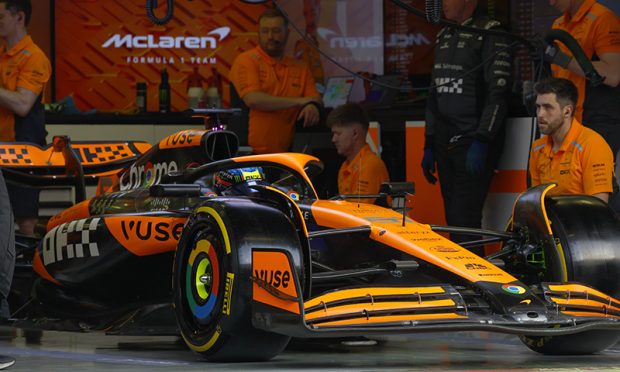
[(597, 30), (23, 66), (363, 175), (584, 163), (255, 71)]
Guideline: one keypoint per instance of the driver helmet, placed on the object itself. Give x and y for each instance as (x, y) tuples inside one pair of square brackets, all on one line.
[(238, 181)]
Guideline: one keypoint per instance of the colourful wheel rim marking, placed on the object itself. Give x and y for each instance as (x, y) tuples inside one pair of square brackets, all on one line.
[(201, 288), (202, 311)]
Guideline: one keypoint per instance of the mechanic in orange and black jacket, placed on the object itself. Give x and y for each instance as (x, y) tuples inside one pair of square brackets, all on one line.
[(465, 113), (24, 71)]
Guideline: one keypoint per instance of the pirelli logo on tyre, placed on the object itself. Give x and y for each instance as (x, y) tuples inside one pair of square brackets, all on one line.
[(228, 289)]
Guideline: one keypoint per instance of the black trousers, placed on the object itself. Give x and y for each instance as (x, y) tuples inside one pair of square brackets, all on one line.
[(7, 248), (463, 195)]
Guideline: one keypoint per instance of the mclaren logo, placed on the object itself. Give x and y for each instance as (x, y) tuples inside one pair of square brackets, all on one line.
[(172, 42), (391, 41)]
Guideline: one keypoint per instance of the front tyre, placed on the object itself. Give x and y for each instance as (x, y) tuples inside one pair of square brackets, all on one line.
[(211, 279), (587, 234)]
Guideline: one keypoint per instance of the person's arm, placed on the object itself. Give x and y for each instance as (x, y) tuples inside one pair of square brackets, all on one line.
[(604, 196), (608, 67), (597, 166), (497, 80), (533, 168), (266, 102), (606, 40), (19, 101)]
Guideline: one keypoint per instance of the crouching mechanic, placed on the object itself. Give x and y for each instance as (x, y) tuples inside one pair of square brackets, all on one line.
[(575, 157), (362, 172)]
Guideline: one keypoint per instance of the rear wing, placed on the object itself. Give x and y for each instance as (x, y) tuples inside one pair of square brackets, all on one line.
[(64, 163)]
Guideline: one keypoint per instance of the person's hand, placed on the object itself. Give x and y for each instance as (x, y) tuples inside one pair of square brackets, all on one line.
[(309, 114), (476, 158), (554, 55), (428, 165)]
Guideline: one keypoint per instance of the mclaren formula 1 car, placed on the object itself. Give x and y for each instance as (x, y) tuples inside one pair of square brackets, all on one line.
[(238, 255)]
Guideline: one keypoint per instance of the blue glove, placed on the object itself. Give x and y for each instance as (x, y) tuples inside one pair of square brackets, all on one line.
[(428, 165), (476, 158)]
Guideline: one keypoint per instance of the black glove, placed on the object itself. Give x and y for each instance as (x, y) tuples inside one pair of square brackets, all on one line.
[(553, 54), (428, 165)]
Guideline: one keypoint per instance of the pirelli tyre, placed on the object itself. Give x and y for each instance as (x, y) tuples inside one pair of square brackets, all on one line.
[(212, 278), (587, 234)]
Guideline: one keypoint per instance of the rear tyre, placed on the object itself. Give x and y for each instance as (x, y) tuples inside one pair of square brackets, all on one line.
[(587, 231), (211, 279)]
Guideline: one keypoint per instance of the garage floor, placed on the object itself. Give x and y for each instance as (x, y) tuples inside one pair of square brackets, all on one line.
[(61, 351)]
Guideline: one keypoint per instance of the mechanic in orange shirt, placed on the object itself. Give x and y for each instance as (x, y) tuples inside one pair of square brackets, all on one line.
[(597, 30), (362, 172), (277, 89), (24, 71), (575, 157)]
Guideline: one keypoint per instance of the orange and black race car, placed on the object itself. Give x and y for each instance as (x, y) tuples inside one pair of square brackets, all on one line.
[(245, 256)]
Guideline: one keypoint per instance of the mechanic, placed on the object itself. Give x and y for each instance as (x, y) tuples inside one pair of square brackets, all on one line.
[(7, 260), (575, 157), (465, 113), (362, 172), (597, 30), (24, 71), (277, 89)]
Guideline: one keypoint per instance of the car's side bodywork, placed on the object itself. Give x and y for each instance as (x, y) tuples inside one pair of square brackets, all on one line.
[(282, 263)]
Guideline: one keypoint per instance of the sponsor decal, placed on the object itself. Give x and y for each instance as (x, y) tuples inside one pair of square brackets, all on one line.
[(274, 269), (186, 138), (513, 289), (527, 302), (70, 240), (445, 249), (159, 204), (275, 278), (230, 279), (161, 233), (147, 230), (293, 195), (337, 41), (147, 174), (476, 266), (130, 41)]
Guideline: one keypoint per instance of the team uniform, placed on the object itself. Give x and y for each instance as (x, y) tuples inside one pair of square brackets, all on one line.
[(362, 175), (597, 30), (584, 163), (256, 71), (472, 74), (24, 66)]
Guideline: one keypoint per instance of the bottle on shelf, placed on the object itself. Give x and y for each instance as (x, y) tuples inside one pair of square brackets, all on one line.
[(164, 92), (195, 91), (141, 97), (213, 91)]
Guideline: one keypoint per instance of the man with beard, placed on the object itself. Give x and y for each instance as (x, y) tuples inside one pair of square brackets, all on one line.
[(575, 157), (278, 90)]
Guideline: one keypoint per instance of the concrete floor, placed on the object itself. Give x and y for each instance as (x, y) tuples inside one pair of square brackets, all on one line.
[(62, 351)]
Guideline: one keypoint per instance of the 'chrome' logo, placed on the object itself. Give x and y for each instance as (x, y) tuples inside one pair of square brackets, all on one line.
[(513, 289), (171, 42)]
